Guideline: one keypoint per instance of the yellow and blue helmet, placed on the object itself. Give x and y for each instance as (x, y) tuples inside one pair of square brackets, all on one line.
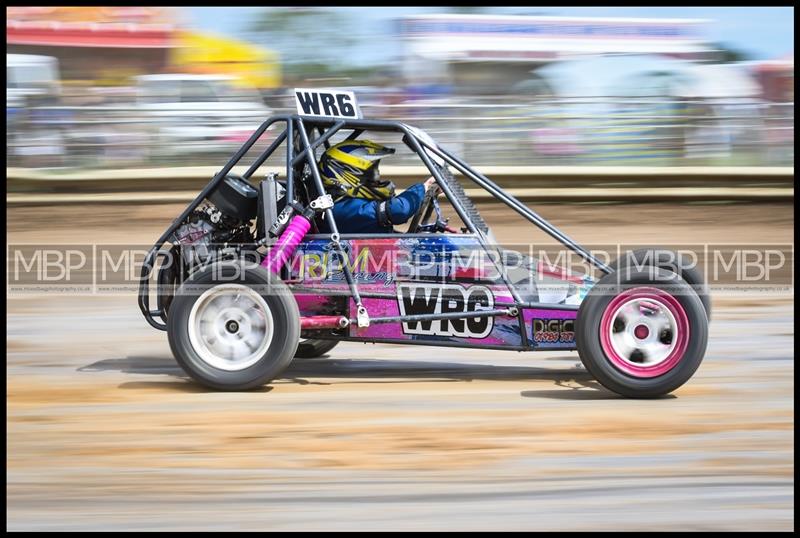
[(350, 168)]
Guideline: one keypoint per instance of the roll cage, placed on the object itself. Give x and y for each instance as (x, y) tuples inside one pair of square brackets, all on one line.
[(307, 133)]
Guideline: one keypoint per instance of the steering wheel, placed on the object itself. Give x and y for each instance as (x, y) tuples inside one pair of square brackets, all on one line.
[(429, 205)]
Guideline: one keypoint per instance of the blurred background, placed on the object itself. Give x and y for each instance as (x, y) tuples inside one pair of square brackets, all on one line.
[(100, 87)]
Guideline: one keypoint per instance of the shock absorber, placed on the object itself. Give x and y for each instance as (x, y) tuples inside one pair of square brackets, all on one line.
[(287, 243), (294, 233)]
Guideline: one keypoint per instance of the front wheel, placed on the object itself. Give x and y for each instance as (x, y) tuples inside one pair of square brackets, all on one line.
[(233, 327), (641, 334), (668, 260)]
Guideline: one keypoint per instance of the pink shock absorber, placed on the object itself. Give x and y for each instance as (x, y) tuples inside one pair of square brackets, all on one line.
[(287, 243)]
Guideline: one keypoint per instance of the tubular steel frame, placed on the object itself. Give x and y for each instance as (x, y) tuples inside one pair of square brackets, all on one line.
[(296, 133)]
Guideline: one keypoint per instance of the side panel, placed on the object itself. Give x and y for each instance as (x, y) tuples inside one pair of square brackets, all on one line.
[(422, 275), (417, 298), (550, 329)]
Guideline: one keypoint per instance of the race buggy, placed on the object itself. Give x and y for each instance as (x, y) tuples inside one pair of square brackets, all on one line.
[(256, 274)]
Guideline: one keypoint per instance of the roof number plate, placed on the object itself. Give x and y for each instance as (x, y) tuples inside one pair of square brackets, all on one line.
[(327, 103)]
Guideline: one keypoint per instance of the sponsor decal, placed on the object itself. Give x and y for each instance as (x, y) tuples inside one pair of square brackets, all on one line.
[(416, 299), (327, 103), (554, 331), (387, 279), (324, 265)]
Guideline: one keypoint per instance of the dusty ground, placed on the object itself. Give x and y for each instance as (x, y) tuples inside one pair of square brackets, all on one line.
[(106, 432)]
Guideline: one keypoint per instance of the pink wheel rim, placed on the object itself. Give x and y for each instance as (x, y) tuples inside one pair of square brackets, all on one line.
[(644, 332)]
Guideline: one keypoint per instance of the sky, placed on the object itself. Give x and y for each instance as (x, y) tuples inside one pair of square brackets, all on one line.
[(761, 32)]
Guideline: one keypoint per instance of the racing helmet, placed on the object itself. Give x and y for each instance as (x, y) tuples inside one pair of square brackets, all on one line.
[(350, 168)]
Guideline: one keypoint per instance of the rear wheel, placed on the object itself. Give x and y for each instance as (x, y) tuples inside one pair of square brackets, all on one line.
[(641, 334), (233, 328)]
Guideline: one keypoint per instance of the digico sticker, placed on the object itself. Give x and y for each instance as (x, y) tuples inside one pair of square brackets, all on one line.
[(415, 299), (327, 103), (554, 331)]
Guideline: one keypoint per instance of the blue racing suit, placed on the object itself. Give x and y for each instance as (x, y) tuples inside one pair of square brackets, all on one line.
[(357, 215)]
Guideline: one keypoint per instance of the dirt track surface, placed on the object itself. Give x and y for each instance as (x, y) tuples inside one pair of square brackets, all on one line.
[(105, 432)]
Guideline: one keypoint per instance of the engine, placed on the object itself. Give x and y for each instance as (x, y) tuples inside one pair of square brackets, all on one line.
[(223, 223), (207, 230)]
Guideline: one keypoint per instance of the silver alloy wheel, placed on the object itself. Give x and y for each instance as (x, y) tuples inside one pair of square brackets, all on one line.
[(230, 327), (643, 332)]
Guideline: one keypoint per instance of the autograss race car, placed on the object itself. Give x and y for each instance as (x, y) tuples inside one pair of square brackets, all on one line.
[(249, 279)]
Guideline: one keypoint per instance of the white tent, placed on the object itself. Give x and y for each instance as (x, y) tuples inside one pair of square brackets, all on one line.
[(647, 75)]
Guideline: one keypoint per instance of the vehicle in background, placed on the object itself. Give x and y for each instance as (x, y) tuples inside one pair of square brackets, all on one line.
[(34, 136), (198, 113), (32, 77)]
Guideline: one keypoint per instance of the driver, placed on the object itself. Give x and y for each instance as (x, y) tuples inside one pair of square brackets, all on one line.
[(363, 202)]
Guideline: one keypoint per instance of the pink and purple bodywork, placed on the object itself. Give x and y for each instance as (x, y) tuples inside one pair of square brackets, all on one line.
[(413, 275)]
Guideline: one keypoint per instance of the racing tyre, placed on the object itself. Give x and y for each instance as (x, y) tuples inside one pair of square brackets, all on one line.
[(671, 261), (311, 349), (233, 327), (641, 334)]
